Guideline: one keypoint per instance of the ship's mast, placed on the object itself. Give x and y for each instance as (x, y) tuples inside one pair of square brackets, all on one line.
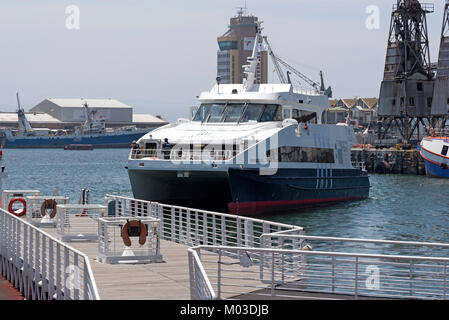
[(86, 114), (24, 125), (250, 69)]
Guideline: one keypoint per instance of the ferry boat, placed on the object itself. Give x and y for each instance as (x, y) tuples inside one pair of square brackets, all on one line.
[(92, 132), (249, 149), (434, 151)]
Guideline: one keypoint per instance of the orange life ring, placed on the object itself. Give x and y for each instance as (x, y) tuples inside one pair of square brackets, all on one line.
[(134, 228), (49, 204), (306, 126), (14, 200)]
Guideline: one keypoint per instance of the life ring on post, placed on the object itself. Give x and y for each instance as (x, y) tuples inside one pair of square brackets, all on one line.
[(134, 228), (306, 126), (22, 201), (49, 204)]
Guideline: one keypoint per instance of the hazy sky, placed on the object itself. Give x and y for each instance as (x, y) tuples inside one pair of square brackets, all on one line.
[(158, 55)]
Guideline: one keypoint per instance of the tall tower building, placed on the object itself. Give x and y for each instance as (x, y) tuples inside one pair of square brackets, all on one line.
[(235, 46)]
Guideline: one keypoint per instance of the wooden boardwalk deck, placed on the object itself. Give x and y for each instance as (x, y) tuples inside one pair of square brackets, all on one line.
[(168, 280)]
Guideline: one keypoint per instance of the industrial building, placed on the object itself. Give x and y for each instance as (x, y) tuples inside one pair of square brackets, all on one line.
[(235, 46), (71, 110), (68, 113)]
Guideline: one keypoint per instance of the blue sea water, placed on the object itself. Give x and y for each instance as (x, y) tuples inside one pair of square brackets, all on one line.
[(102, 171), (400, 207)]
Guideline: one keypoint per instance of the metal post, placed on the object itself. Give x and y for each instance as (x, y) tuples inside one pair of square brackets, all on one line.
[(66, 265), (224, 241), (172, 224), (272, 274), (58, 272), (205, 240), (214, 231), (219, 275), (333, 268), (411, 278), (85, 285), (51, 279), (196, 228), (188, 228), (445, 288), (356, 275)]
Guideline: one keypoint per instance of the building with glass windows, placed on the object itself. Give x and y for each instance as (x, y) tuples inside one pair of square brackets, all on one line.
[(235, 46)]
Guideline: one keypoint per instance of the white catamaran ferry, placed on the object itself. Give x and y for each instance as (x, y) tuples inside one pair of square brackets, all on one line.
[(249, 148)]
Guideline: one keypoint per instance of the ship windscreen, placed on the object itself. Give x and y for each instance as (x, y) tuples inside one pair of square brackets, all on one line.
[(216, 113), (272, 112), (234, 112), (202, 113), (253, 112), (238, 112)]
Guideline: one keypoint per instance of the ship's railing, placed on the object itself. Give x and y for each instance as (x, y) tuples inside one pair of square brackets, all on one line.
[(290, 274), (199, 227), (40, 266), (181, 155)]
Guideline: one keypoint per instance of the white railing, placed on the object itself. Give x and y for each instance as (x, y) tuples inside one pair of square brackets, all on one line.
[(199, 227), (194, 227), (40, 266), (298, 273), (200, 286), (334, 244), (182, 154)]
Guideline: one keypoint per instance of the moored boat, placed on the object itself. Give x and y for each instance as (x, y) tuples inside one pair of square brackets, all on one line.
[(434, 151), (92, 132), (248, 149), (79, 147)]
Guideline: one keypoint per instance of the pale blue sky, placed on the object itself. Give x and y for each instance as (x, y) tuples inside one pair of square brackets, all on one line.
[(159, 55)]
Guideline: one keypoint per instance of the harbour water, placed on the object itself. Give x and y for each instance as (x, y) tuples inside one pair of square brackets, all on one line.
[(400, 207)]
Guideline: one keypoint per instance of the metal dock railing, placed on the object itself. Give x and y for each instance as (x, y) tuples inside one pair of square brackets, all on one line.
[(230, 257), (336, 268), (40, 266)]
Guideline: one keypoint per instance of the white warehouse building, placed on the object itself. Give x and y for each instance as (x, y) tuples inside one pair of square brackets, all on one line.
[(71, 110)]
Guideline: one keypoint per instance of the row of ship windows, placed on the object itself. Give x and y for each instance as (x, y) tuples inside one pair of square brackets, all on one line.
[(301, 154), (223, 151), (282, 154), (237, 112)]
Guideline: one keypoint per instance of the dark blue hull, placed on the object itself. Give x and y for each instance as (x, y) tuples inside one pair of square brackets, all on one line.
[(122, 140), (253, 193), (246, 192)]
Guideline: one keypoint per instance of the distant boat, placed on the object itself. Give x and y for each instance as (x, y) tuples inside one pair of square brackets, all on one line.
[(434, 151), (92, 132), (79, 147)]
